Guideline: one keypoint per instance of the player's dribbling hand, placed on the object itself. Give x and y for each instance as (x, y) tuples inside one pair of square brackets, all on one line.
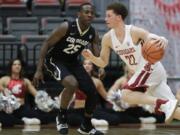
[(38, 76), (162, 42), (87, 54)]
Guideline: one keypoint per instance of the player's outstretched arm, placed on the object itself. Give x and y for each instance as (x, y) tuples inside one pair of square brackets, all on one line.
[(56, 35), (103, 59)]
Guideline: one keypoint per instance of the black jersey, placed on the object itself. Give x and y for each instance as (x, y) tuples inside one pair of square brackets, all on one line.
[(71, 45)]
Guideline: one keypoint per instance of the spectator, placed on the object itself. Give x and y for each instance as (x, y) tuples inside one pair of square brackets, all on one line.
[(15, 86)]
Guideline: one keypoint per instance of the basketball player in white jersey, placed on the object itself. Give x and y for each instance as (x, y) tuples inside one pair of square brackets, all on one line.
[(126, 40)]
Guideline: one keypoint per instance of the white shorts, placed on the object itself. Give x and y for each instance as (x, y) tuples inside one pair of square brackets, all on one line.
[(153, 81)]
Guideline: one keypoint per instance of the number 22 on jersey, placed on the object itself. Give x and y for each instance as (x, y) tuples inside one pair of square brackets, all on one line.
[(131, 59)]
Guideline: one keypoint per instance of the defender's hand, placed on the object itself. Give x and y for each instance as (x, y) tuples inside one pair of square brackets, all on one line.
[(87, 54), (38, 76)]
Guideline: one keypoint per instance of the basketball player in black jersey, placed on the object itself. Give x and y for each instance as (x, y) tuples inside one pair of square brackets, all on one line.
[(60, 54)]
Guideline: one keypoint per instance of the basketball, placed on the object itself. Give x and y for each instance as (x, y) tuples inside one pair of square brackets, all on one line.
[(151, 52)]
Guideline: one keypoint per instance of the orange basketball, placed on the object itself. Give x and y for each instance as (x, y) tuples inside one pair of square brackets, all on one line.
[(151, 52)]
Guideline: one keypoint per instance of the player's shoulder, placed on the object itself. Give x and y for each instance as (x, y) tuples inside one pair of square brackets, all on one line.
[(63, 26), (136, 29), (93, 31), (106, 39), (107, 35), (138, 33)]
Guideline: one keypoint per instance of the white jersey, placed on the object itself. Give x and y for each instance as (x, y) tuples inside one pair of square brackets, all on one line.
[(128, 52), (146, 76)]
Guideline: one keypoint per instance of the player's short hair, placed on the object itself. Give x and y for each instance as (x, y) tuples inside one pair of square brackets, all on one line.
[(118, 9), (86, 3)]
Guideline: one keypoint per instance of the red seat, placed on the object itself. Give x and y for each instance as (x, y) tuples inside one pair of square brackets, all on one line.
[(10, 8), (44, 2), (77, 2), (10, 1)]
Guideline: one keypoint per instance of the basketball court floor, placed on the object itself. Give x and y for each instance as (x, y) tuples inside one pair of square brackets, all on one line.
[(147, 129)]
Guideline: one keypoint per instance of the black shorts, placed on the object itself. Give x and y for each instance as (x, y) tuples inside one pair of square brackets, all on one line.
[(59, 70)]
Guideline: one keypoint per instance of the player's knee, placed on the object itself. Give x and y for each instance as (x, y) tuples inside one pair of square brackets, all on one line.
[(70, 83)]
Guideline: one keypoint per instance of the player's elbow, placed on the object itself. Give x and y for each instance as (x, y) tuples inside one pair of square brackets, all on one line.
[(100, 62), (101, 65), (104, 64)]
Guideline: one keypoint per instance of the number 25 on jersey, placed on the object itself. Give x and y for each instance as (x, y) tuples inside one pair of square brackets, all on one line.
[(71, 49)]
